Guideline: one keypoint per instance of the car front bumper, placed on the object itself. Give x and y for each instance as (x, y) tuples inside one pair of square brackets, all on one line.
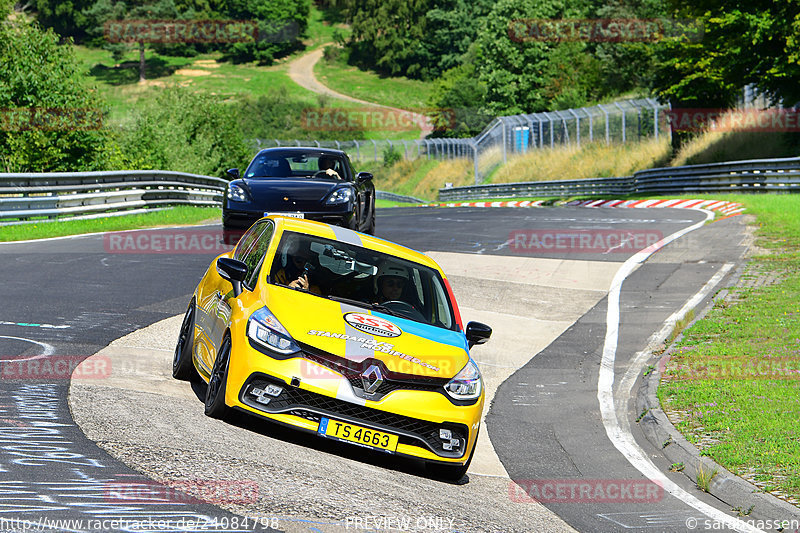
[(310, 392)]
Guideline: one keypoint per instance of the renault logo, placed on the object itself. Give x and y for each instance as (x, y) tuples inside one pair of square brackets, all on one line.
[(371, 378)]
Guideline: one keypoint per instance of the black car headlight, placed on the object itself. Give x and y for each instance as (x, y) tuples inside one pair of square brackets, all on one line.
[(237, 193), (340, 196), (467, 385), (264, 329)]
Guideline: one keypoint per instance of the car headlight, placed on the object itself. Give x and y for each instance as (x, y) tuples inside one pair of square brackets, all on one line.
[(467, 384), (340, 196), (237, 193), (265, 329)]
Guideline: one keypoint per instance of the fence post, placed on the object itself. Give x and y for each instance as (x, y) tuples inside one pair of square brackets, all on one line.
[(374, 144), (603, 109), (358, 149), (277, 143), (577, 127), (623, 120), (475, 160), (505, 158)]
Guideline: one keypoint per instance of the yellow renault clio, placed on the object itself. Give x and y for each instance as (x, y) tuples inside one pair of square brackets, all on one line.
[(340, 334)]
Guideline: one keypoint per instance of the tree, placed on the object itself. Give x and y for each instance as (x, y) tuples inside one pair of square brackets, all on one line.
[(49, 119), (525, 75), (65, 17), (457, 101), (104, 12), (741, 43), (281, 27), (418, 39)]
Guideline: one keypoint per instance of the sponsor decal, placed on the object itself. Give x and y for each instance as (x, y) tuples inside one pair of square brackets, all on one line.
[(372, 344), (372, 324)]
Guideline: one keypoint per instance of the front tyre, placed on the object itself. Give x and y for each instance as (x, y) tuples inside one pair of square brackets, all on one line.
[(182, 365), (215, 392)]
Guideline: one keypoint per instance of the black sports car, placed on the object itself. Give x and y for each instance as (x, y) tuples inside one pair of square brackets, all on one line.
[(312, 183)]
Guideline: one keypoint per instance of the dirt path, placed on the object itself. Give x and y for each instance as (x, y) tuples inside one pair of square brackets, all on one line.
[(301, 70)]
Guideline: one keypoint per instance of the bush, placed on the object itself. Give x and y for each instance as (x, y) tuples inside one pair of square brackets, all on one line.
[(390, 156), (49, 119), (184, 131)]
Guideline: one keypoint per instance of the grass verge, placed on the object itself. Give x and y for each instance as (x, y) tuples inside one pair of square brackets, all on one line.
[(732, 385), (175, 216), (369, 86)]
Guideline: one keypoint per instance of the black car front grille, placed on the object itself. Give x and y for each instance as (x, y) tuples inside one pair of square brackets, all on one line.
[(312, 406)]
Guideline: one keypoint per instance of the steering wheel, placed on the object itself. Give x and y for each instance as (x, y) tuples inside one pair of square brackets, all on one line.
[(404, 308), (324, 174)]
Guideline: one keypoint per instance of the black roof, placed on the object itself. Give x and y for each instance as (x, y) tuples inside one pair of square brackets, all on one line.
[(303, 150)]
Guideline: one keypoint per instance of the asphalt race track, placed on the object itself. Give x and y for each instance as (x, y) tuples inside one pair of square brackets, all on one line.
[(68, 299)]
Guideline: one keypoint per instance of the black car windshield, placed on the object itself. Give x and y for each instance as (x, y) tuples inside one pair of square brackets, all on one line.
[(362, 277), (296, 163)]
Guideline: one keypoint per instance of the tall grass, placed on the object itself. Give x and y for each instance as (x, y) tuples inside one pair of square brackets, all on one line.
[(718, 146), (595, 160)]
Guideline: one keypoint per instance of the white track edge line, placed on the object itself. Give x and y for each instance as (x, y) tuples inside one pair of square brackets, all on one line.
[(621, 440)]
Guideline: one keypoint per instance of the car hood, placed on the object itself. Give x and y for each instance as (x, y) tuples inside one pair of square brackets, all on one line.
[(358, 334), (289, 194)]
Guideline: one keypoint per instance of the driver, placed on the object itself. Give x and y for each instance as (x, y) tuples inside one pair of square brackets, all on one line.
[(298, 255), (327, 164), (391, 283)]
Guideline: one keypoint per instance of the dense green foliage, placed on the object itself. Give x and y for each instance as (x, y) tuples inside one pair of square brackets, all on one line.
[(281, 26), (184, 131), (419, 39), (49, 119), (281, 23), (752, 42)]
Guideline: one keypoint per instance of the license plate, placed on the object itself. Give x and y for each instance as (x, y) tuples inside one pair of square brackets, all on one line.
[(357, 434), (282, 214)]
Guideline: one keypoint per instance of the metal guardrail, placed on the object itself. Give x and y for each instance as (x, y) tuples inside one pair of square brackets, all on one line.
[(61, 194), (758, 175), (392, 197), (92, 194)]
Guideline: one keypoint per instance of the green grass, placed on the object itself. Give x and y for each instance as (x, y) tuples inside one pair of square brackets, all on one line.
[(176, 216), (734, 376), (400, 92)]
